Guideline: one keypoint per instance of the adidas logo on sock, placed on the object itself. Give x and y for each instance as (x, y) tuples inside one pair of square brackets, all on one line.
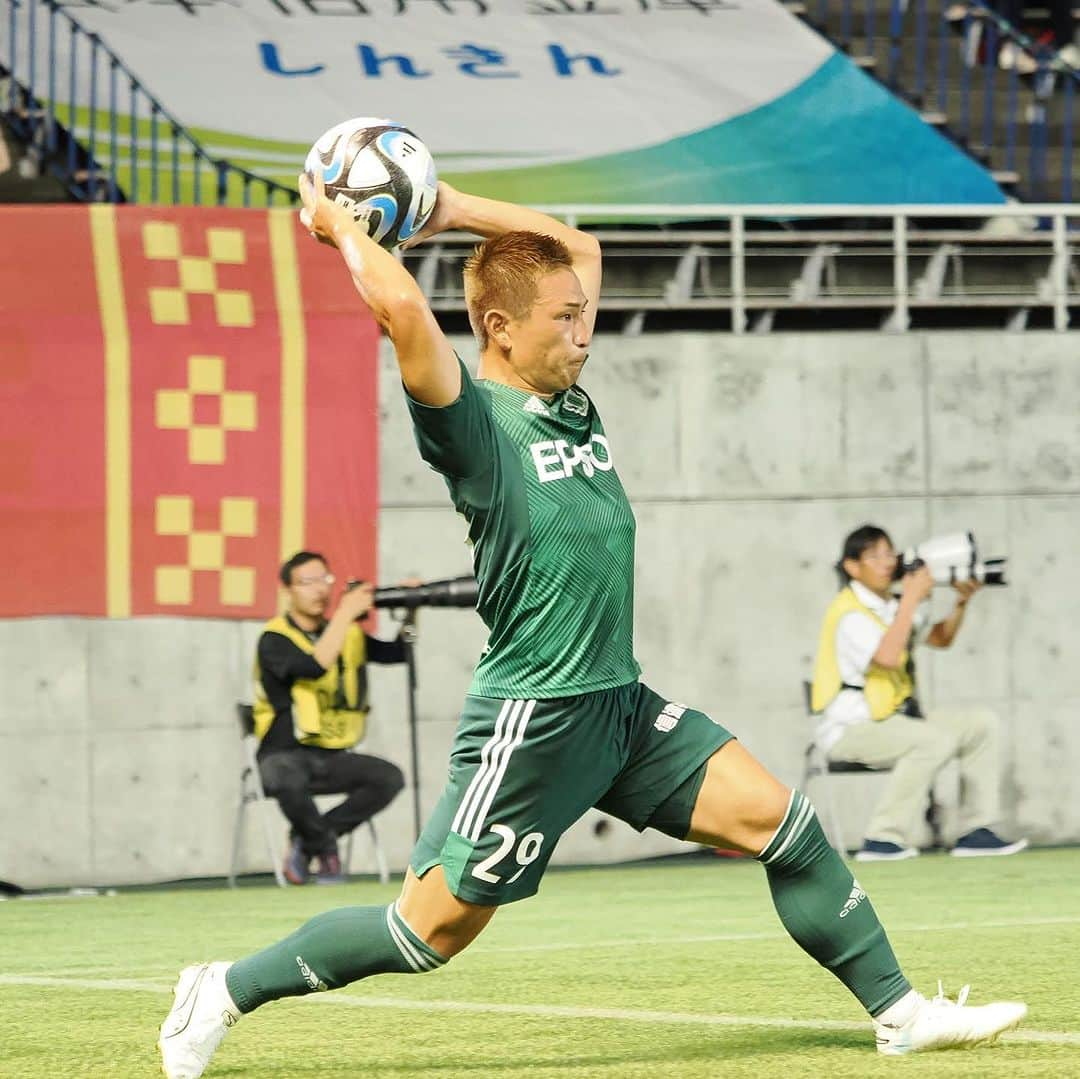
[(309, 976), (853, 900)]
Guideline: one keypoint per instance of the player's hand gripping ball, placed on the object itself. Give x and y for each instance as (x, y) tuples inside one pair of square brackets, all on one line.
[(381, 172)]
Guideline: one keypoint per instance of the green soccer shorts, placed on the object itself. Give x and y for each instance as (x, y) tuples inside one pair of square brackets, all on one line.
[(522, 771)]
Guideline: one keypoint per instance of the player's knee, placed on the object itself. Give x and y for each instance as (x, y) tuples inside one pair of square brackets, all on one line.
[(775, 803), (765, 811), (450, 937), (447, 924)]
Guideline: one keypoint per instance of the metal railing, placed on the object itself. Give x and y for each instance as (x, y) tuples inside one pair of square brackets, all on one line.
[(124, 145), (943, 56), (755, 264)]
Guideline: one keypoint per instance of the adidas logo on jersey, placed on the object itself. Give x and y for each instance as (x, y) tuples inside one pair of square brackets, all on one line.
[(669, 716), (536, 406), (853, 900)]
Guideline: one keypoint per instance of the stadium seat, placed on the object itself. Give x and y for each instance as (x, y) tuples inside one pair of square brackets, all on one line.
[(817, 766), (252, 793)]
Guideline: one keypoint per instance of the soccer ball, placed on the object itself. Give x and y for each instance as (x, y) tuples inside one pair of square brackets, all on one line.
[(381, 172)]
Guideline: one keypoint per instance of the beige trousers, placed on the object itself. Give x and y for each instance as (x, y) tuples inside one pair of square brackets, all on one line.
[(916, 750)]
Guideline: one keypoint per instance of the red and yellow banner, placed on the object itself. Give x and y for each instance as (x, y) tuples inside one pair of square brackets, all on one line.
[(190, 396)]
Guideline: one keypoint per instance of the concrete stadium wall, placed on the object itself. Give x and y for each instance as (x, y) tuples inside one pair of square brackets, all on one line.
[(747, 461)]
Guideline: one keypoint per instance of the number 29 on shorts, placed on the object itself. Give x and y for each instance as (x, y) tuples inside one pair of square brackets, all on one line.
[(525, 853)]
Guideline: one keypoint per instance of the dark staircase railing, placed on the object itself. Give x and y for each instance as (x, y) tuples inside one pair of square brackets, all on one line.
[(1017, 115), (124, 145)]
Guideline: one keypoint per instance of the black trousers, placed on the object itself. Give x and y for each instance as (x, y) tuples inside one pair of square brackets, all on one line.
[(294, 776)]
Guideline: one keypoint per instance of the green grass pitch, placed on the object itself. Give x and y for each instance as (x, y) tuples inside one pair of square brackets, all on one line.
[(672, 968)]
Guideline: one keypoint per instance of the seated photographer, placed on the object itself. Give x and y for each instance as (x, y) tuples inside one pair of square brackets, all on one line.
[(864, 684), (311, 707)]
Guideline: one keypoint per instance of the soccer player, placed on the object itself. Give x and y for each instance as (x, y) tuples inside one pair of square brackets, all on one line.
[(556, 720)]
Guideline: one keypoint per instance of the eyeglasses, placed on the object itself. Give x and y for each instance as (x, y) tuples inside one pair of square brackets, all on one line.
[(877, 556), (310, 582)]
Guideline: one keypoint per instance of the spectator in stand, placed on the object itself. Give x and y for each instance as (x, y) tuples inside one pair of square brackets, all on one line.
[(1062, 31)]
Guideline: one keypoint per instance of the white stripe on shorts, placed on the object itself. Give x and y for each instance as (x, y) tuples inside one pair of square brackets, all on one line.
[(475, 789), (522, 723), (509, 730)]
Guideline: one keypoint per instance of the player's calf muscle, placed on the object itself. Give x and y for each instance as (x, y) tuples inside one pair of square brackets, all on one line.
[(446, 923)]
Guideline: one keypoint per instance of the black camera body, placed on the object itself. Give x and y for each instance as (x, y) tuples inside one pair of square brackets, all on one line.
[(904, 566), (452, 592)]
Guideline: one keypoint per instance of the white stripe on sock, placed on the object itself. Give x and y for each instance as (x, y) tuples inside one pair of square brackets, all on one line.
[(780, 826), (434, 959), (798, 826), (408, 952)]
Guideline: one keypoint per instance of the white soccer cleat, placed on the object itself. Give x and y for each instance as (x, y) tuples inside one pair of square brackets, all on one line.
[(202, 1012), (941, 1023)]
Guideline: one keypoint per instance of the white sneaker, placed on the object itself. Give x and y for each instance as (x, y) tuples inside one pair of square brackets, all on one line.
[(202, 1012), (944, 1024)]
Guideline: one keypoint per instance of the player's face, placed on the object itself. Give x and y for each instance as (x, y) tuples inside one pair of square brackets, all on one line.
[(549, 343), (874, 568), (309, 590)]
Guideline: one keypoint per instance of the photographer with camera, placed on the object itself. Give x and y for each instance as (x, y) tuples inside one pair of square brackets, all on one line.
[(311, 706), (864, 684)]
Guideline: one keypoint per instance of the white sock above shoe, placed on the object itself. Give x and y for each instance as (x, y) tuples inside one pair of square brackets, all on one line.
[(896, 1015)]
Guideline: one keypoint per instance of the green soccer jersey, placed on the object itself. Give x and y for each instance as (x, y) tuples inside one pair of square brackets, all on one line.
[(552, 534)]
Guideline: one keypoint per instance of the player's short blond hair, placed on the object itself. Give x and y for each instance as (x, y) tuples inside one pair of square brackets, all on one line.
[(502, 272)]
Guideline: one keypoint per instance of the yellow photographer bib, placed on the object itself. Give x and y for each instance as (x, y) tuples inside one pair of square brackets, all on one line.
[(330, 711), (885, 689)]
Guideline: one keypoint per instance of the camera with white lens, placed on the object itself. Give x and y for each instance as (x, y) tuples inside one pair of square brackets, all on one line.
[(951, 559)]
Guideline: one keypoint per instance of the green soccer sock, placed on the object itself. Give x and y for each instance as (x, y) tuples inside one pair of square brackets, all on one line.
[(826, 912), (329, 951)]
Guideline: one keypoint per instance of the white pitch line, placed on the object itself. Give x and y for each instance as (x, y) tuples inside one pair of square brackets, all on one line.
[(132, 984), (89, 971), (545, 1011), (631, 1015), (772, 934)]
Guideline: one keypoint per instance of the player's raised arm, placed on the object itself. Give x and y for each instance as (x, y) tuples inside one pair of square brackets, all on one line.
[(429, 368), (488, 217)]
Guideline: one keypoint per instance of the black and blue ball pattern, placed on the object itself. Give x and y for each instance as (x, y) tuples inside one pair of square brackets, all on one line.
[(380, 171)]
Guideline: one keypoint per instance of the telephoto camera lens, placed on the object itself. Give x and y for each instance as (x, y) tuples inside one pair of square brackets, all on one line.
[(453, 592), (992, 571)]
